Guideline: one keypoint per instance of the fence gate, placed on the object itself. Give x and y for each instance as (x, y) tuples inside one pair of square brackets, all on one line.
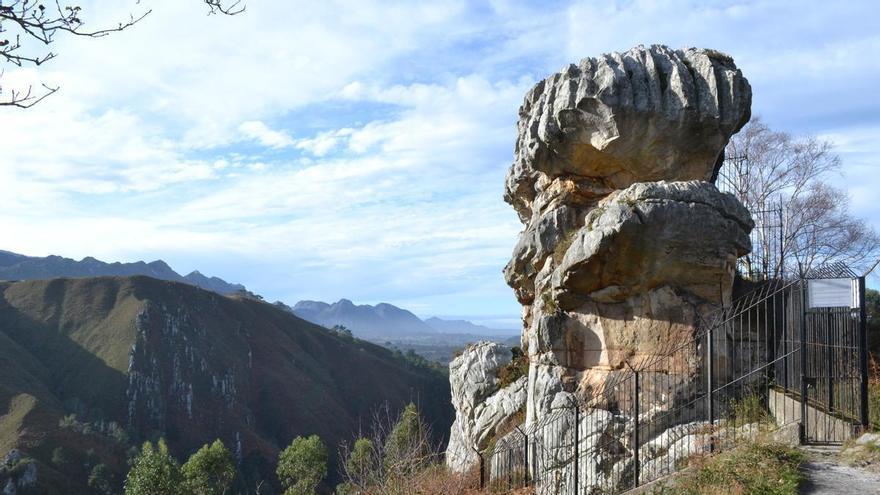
[(834, 365), (785, 353)]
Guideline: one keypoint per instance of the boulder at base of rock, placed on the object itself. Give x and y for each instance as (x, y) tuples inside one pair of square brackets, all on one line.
[(481, 405)]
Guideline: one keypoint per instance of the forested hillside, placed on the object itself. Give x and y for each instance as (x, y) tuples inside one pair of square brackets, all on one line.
[(93, 367)]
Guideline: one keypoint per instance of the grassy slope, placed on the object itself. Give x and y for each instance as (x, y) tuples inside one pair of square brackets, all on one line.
[(65, 347)]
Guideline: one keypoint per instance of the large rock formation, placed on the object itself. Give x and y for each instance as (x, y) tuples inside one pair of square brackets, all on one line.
[(481, 404), (627, 242)]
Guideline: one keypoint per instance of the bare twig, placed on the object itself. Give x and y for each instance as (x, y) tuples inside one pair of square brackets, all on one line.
[(42, 21)]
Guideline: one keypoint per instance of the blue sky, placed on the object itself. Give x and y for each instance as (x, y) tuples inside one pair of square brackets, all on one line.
[(357, 149)]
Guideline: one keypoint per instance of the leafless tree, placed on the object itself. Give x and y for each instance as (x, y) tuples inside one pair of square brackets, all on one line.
[(771, 171), (26, 23), (393, 463)]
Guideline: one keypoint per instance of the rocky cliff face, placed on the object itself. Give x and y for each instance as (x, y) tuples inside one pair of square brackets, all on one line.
[(626, 241)]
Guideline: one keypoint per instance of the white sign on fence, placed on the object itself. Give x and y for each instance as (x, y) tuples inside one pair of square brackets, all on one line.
[(833, 293)]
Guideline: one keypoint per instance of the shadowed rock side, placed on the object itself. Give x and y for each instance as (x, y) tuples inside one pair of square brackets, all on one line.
[(626, 241), (137, 358)]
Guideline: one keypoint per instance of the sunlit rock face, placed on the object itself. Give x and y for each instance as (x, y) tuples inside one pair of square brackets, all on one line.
[(481, 403), (626, 241), (647, 114)]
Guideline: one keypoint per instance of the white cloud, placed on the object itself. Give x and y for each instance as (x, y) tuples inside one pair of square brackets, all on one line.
[(324, 142), (258, 131), (387, 132)]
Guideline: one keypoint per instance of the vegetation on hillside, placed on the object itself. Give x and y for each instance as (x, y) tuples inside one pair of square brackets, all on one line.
[(302, 465), (397, 456), (155, 472), (210, 471), (71, 349), (515, 369), (755, 469)]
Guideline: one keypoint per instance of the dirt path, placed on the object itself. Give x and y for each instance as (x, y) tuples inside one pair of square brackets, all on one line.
[(825, 478)]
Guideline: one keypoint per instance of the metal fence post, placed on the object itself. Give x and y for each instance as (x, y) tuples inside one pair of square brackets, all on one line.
[(710, 382), (636, 429), (785, 339), (781, 265), (827, 339), (482, 472), (577, 441), (526, 458), (863, 354), (803, 353)]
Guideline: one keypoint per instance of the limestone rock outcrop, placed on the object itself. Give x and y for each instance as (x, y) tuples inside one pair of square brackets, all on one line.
[(626, 244), (481, 404), (647, 114)]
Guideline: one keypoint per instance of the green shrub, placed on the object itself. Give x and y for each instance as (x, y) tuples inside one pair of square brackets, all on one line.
[(60, 457), (210, 471), (516, 368), (302, 465), (155, 472), (407, 448), (360, 463), (748, 409), (101, 480)]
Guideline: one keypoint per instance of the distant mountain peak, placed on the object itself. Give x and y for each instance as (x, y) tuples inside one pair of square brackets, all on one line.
[(372, 322)]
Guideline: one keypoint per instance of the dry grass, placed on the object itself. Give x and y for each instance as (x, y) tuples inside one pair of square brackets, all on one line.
[(756, 469), (435, 479)]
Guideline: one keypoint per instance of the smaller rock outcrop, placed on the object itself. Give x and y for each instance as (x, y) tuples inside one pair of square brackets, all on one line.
[(481, 404)]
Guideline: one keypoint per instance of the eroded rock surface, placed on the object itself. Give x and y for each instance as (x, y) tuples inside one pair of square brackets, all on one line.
[(481, 405), (626, 242), (647, 114)]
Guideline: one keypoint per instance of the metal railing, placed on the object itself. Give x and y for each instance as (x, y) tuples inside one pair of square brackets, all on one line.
[(744, 374)]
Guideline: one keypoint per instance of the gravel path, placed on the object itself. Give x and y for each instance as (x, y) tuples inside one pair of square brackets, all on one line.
[(833, 479)]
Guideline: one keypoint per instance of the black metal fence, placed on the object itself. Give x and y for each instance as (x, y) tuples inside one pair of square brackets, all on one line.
[(742, 376), (767, 260)]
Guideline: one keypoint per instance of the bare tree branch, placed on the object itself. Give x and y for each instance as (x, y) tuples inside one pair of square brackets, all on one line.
[(41, 21), (770, 170)]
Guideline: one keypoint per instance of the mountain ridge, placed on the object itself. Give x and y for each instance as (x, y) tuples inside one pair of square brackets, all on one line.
[(385, 320), (15, 266), (366, 321)]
